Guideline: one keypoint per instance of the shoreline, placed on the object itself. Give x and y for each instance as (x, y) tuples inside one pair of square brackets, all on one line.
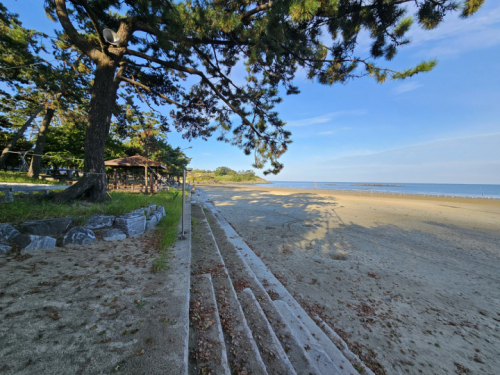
[(371, 193)]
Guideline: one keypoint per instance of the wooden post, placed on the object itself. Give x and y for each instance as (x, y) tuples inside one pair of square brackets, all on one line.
[(126, 177), (116, 177), (156, 179), (151, 181), (146, 179)]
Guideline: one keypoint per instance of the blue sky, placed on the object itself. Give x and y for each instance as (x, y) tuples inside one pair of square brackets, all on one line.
[(443, 126)]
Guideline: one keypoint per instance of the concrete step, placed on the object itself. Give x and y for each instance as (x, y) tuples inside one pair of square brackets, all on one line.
[(266, 339), (206, 341), (342, 346), (243, 277), (242, 352), (314, 350), (338, 354)]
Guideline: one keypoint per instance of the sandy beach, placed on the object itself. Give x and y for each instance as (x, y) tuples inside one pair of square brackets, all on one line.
[(411, 283)]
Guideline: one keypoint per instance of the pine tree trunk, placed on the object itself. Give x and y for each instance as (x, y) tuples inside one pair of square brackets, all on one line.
[(17, 136), (34, 171), (102, 101)]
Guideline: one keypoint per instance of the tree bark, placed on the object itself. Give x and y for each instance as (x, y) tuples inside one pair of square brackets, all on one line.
[(34, 171), (102, 101), (17, 136)]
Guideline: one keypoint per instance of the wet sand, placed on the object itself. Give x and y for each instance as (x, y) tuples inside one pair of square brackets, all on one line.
[(410, 282)]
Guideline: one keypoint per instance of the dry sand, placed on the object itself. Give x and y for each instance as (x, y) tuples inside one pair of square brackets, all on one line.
[(412, 283), (90, 309)]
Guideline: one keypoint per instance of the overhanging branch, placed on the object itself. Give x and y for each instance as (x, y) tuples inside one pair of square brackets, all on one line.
[(144, 87), (180, 68)]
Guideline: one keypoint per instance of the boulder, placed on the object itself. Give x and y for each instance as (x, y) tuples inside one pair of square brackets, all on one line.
[(131, 224), (31, 243), (99, 221), (47, 227), (151, 223), (7, 233), (4, 249), (161, 210), (140, 211), (157, 215), (78, 236), (113, 235), (152, 208)]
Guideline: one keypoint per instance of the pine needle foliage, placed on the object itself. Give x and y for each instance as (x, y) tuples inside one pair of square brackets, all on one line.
[(182, 54)]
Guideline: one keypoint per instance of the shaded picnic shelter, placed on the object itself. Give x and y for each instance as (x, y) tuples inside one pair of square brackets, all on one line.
[(136, 162)]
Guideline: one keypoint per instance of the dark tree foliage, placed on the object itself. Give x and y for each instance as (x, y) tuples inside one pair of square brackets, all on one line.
[(35, 85), (182, 54)]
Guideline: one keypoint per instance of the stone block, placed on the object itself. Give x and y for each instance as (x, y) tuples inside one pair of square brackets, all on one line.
[(99, 221), (131, 224), (31, 243), (78, 236), (7, 233), (157, 215), (152, 208), (151, 223), (161, 210), (140, 211), (47, 227), (113, 235), (4, 249)]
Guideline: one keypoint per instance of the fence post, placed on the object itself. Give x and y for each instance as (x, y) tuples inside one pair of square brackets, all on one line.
[(183, 199)]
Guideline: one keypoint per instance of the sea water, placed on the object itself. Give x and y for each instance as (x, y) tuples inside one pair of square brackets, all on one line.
[(403, 188)]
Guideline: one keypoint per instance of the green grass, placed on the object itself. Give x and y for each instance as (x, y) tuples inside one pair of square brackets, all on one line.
[(22, 178), (21, 210), (167, 230)]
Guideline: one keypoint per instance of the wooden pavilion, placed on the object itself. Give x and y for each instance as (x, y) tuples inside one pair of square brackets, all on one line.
[(136, 162)]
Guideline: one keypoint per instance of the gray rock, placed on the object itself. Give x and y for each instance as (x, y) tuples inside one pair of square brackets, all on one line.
[(4, 249), (7, 233), (158, 216), (99, 221), (113, 235), (152, 208), (151, 223), (31, 243), (48, 227), (78, 236), (161, 210), (131, 224)]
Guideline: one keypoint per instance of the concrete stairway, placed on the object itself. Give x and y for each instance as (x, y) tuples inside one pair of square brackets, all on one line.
[(206, 341), (288, 340), (242, 354)]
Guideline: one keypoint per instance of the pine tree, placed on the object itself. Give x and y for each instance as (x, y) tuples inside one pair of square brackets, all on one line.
[(163, 43)]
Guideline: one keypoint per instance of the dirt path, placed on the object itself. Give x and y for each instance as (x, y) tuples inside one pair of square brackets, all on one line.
[(412, 283)]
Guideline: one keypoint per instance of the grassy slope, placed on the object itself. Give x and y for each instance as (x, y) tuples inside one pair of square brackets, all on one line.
[(29, 209), (226, 178), (22, 178)]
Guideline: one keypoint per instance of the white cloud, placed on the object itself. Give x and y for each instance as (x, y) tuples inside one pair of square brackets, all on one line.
[(470, 42), (472, 159), (405, 87), (335, 131), (452, 37), (206, 153), (454, 26), (325, 118)]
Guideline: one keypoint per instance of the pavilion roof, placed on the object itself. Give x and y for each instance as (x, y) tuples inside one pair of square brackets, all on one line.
[(133, 161)]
